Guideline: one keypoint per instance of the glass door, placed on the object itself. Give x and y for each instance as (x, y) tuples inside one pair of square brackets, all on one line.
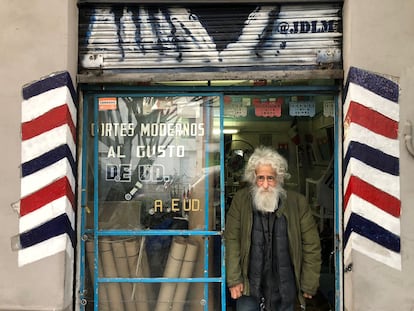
[(152, 197)]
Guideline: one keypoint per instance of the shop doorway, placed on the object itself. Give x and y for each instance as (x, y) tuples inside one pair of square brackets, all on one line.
[(160, 167), (301, 127)]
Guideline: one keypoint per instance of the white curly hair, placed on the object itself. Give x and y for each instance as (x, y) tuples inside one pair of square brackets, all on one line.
[(266, 156)]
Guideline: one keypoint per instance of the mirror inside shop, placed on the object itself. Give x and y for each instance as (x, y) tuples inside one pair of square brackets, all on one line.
[(162, 163)]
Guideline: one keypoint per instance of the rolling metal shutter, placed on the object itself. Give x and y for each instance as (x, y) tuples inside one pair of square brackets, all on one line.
[(209, 38)]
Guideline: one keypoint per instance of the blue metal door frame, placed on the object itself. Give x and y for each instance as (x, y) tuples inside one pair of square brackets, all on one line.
[(96, 91)]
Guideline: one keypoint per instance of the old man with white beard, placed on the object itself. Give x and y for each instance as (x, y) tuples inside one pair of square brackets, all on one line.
[(273, 252)]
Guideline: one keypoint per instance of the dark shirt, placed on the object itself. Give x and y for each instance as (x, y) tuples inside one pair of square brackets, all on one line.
[(271, 273)]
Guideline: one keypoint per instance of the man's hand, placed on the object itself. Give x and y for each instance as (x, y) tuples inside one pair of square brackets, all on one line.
[(236, 291), (307, 296)]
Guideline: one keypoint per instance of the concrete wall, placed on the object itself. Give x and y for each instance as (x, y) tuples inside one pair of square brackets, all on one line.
[(378, 36), (38, 37)]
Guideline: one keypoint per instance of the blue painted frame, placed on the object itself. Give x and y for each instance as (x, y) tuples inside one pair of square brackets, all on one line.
[(98, 233), (338, 253), (138, 91)]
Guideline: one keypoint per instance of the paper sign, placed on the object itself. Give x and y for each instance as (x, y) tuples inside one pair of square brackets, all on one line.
[(107, 103)]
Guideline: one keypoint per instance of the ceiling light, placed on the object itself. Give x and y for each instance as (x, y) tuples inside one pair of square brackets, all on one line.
[(226, 131)]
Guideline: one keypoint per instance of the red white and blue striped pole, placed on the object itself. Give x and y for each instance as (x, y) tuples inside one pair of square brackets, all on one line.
[(48, 169), (372, 205)]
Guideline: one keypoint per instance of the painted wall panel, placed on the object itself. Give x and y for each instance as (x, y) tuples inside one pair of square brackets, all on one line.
[(48, 169), (372, 204)]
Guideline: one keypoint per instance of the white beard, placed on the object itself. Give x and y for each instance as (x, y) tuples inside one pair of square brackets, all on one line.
[(267, 201)]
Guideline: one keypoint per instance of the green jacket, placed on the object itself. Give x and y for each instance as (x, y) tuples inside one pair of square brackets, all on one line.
[(304, 243)]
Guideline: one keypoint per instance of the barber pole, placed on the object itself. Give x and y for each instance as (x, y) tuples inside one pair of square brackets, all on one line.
[(371, 169), (48, 169)]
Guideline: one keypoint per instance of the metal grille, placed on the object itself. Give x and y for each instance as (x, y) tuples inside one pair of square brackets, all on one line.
[(210, 38)]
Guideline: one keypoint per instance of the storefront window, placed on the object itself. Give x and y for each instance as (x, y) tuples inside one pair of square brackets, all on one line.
[(152, 202), (160, 172)]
